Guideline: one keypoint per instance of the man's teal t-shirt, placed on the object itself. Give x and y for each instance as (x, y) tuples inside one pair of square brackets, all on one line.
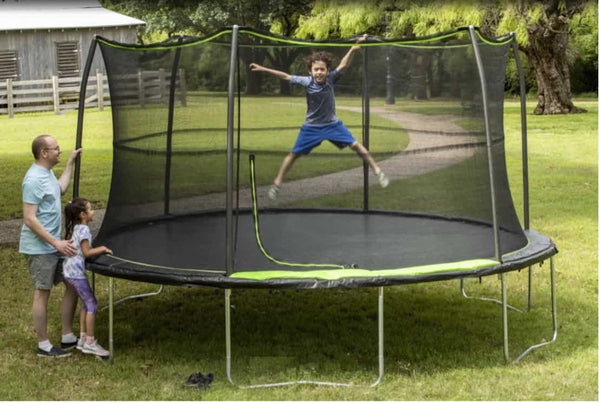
[(41, 187)]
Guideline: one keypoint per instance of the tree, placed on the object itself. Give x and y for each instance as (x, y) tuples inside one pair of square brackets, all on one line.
[(542, 29), (202, 17), (543, 34)]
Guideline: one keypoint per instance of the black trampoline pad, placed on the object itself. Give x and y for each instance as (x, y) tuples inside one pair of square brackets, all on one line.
[(374, 241)]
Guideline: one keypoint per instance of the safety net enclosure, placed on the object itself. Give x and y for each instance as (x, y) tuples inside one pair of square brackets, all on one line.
[(199, 138)]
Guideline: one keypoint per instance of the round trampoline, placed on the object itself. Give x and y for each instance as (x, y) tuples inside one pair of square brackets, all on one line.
[(187, 208), (352, 249)]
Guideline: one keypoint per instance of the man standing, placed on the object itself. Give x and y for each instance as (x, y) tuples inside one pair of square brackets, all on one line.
[(41, 244)]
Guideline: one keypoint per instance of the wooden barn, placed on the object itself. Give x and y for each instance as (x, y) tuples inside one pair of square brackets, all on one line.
[(44, 38)]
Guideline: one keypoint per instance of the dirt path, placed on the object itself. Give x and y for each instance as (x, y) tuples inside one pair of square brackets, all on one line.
[(443, 140)]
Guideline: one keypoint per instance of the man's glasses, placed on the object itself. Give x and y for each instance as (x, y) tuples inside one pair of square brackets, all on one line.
[(57, 148)]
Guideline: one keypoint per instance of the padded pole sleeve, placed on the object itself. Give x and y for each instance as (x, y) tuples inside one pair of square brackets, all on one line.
[(80, 111)]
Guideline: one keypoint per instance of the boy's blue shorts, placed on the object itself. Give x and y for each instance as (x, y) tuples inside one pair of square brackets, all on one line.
[(311, 136)]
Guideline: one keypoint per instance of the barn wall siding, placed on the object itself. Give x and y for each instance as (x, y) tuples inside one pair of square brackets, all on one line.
[(36, 50)]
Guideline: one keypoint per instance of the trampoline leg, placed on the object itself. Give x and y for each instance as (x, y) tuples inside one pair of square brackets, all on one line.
[(228, 334), (464, 294), (554, 325), (320, 383), (529, 290), (111, 298), (504, 319), (380, 335), (138, 296)]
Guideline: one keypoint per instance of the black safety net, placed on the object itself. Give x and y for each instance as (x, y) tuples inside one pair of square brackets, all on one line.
[(416, 105)]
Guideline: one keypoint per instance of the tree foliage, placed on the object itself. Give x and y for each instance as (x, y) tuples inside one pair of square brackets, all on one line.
[(552, 34), (543, 30)]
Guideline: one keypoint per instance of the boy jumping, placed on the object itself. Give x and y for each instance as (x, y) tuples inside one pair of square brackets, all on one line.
[(321, 122)]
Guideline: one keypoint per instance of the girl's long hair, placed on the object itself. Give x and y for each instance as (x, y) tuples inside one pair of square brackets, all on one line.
[(72, 211)]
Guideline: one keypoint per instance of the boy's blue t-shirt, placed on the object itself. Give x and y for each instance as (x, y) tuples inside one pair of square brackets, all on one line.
[(41, 187), (320, 98)]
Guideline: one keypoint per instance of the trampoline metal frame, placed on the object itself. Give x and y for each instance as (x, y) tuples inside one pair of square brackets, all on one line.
[(380, 330), (229, 225)]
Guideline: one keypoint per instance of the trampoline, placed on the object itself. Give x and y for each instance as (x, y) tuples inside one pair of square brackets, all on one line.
[(196, 145)]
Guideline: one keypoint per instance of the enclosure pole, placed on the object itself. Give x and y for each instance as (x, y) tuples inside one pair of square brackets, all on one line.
[(172, 83), (230, 145), (488, 135), (523, 134), (365, 123), (82, 91)]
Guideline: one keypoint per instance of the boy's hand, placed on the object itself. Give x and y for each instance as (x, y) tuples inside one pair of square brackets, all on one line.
[(256, 67), (360, 40)]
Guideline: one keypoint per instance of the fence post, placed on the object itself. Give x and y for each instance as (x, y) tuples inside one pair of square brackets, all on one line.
[(55, 95), (9, 96), (141, 92), (100, 91), (182, 87), (161, 84)]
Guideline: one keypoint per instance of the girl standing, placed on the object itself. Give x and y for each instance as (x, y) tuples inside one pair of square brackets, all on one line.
[(78, 213)]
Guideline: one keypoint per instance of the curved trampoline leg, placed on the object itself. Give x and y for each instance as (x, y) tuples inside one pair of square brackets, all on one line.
[(138, 296), (554, 325), (495, 301), (319, 383), (505, 319)]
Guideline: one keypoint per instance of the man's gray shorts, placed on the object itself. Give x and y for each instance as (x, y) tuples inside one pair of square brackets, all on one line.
[(45, 270)]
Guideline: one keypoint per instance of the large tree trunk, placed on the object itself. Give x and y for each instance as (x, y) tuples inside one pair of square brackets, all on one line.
[(547, 54)]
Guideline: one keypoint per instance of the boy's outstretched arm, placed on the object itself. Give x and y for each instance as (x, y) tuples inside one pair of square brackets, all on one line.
[(345, 62), (279, 74)]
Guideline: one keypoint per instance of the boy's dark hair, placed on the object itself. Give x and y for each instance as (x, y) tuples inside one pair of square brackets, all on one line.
[(72, 210), (318, 57)]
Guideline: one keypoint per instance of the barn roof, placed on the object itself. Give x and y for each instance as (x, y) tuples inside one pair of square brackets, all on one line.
[(59, 14)]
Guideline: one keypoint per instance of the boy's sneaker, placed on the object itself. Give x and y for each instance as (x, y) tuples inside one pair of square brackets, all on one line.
[(69, 345), (383, 180), (80, 344), (273, 191), (95, 349), (53, 353)]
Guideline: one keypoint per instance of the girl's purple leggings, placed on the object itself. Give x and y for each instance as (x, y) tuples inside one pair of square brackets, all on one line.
[(82, 288)]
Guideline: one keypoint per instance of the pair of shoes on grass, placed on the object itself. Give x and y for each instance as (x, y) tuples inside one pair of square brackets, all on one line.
[(198, 380)]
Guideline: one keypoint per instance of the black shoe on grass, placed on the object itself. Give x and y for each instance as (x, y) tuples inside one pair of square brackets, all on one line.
[(53, 353), (68, 346), (194, 379)]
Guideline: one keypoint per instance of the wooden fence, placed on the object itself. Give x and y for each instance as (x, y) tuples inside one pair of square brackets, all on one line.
[(62, 94)]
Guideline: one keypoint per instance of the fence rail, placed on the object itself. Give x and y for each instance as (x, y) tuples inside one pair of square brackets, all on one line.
[(62, 94)]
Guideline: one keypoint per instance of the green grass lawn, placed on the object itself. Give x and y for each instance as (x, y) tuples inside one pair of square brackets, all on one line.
[(438, 345)]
